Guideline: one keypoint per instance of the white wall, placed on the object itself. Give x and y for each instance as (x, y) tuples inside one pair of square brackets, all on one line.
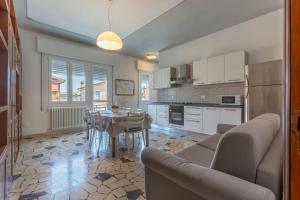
[(261, 37), (127, 68), (36, 121)]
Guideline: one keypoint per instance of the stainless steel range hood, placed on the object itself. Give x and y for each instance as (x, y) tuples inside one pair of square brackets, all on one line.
[(183, 75)]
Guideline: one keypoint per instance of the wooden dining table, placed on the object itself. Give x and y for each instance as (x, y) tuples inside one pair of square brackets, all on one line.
[(114, 126)]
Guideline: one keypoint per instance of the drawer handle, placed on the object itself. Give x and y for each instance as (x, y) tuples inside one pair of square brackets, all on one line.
[(197, 114), (211, 109), (192, 120), (162, 116), (228, 109), (214, 82)]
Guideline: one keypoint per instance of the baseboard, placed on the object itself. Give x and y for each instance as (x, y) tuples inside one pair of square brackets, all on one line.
[(56, 132)]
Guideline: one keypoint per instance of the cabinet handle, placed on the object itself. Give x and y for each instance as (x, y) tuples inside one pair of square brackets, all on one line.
[(193, 108), (192, 114), (211, 108), (192, 120), (228, 109), (163, 117), (215, 82)]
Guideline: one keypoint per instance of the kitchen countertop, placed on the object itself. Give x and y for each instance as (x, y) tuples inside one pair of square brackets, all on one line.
[(198, 104)]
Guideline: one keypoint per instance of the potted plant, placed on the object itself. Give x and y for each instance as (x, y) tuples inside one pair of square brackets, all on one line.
[(114, 108)]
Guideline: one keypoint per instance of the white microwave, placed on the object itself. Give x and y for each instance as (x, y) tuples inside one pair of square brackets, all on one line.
[(232, 100)]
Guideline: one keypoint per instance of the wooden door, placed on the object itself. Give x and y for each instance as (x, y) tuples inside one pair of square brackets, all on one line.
[(295, 99)]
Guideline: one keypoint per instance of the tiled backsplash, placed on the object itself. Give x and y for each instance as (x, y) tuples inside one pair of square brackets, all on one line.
[(190, 93)]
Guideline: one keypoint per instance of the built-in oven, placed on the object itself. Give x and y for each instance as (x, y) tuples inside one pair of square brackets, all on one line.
[(176, 115), (232, 100)]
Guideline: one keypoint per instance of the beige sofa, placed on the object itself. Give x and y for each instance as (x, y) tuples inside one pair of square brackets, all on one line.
[(239, 162)]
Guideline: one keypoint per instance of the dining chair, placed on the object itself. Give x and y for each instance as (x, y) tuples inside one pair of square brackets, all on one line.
[(87, 120), (134, 125), (100, 125)]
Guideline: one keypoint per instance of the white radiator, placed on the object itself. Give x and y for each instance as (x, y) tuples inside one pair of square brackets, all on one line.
[(66, 117)]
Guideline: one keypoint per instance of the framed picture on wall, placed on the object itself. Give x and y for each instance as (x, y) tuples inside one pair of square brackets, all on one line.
[(124, 87)]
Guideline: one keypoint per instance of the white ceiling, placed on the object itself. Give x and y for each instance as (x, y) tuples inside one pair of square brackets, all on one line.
[(145, 26), (90, 17)]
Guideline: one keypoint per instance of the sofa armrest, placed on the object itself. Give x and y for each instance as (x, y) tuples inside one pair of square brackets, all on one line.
[(223, 128), (203, 182)]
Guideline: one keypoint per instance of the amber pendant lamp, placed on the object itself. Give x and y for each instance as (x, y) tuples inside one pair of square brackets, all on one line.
[(109, 40)]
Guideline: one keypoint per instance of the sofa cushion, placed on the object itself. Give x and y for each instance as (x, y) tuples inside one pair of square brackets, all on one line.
[(223, 128), (211, 142), (269, 171), (242, 148), (197, 154)]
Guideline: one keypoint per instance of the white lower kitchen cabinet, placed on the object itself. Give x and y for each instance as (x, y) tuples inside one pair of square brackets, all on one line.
[(152, 112), (211, 118), (193, 119), (231, 116), (194, 125), (161, 115), (162, 119)]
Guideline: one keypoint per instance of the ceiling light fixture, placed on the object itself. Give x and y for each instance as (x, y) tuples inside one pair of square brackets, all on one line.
[(151, 56), (109, 40)]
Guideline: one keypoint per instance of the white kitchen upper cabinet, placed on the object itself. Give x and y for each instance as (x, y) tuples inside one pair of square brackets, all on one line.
[(211, 118), (152, 112), (162, 78), (231, 116), (200, 72), (235, 67), (155, 79), (215, 70), (166, 77)]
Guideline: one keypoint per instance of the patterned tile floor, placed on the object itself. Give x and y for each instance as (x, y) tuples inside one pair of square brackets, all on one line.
[(66, 167)]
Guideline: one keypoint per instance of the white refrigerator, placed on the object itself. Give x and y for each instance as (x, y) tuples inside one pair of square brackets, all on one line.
[(263, 89)]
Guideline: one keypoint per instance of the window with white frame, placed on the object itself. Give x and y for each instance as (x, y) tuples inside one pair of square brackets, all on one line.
[(73, 82), (99, 88), (59, 81)]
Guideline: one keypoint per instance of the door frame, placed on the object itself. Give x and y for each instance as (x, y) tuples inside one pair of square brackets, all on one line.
[(141, 72), (292, 104), (286, 124)]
